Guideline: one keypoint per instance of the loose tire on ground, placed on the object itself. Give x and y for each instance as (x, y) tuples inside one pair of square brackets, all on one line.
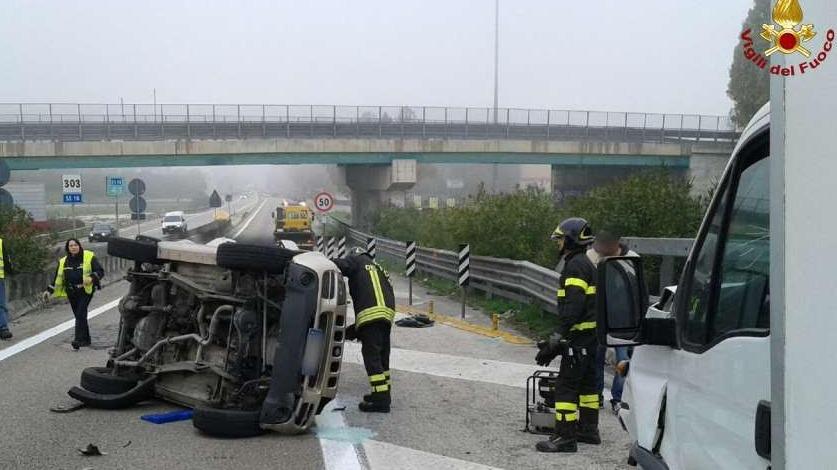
[(226, 423), (101, 380), (241, 256), (143, 250)]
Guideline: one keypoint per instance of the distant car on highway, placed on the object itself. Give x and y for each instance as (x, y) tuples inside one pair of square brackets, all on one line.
[(101, 232), (174, 222)]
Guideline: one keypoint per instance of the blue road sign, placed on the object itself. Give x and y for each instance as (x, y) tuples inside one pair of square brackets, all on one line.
[(72, 198), (116, 185)]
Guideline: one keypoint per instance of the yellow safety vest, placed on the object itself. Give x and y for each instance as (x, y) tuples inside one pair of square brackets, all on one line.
[(86, 270), (2, 267)]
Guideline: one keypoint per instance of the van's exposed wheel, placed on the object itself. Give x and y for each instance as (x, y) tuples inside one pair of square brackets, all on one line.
[(227, 423), (242, 256), (143, 250), (101, 380)]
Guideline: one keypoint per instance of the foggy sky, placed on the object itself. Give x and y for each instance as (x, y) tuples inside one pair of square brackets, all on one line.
[(639, 55)]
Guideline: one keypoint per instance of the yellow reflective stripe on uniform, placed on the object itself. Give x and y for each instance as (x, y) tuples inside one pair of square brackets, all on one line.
[(562, 293), (375, 313), (377, 378), (381, 388), (587, 325), (574, 281), (564, 405), (588, 401), (376, 285), (566, 417), (590, 290), (2, 266)]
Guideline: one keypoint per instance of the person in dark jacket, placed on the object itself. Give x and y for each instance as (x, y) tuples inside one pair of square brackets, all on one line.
[(78, 275), (576, 395), (374, 305), (6, 268)]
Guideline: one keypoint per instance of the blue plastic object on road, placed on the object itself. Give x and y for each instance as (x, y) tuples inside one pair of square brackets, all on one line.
[(172, 416)]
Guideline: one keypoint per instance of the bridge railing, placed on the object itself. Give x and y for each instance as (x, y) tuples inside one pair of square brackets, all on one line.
[(75, 122), (520, 281)]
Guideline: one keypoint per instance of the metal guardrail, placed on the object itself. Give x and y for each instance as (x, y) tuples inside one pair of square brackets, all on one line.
[(520, 281), (80, 122)]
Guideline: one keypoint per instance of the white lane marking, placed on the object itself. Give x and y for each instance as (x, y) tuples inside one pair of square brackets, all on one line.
[(56, 330), (454, 367), (337, 455), (252, 217), (385, 455)]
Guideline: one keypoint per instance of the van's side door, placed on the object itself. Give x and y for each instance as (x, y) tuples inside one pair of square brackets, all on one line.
[(722, 370)]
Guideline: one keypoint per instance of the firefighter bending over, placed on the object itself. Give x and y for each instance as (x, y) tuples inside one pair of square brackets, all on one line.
[(374, 305)]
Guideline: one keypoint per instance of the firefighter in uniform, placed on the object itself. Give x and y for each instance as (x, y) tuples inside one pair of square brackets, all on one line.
[(576, 394), (374, 304)]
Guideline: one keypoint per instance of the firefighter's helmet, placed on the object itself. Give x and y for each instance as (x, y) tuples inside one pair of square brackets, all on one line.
[(575, 229)]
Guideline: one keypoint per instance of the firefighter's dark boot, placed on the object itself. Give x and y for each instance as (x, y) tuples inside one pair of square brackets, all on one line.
[(563, 441), (379, 402), (588, 426)]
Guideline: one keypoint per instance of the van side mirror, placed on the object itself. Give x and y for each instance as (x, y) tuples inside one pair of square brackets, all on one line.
[(621, 300)]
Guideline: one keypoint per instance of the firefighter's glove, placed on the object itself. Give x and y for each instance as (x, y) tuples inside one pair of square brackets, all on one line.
[(550, 349), (351, 333)]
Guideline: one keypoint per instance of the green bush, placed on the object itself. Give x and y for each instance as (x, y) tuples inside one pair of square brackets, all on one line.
[(518, 225), (29, 254)]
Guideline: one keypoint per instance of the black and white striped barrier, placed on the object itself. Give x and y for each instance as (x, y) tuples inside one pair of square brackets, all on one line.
[(464, 273), (320, 243), (371, 245), (464, 265), (410, 260), (341, 247), (330, 248)]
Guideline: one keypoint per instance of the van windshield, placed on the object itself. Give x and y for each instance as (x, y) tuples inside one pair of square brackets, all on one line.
[(172, 218)]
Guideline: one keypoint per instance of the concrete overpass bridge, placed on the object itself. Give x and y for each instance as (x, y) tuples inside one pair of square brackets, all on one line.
[(377, 146)]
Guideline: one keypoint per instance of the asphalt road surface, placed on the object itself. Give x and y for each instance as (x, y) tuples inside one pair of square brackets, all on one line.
[(458, 401)]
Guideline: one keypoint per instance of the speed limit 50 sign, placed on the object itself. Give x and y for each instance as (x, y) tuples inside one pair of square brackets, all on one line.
[(324, 202)]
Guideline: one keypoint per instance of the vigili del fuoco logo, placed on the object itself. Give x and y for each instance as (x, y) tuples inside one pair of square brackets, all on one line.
[(789, 36)]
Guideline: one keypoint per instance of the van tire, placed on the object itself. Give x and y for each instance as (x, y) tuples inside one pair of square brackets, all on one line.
[(101, 380), (143, 249), (226, 423), (241, 256)]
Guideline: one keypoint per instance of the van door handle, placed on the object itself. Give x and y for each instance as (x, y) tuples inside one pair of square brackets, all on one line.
[(762, 432)]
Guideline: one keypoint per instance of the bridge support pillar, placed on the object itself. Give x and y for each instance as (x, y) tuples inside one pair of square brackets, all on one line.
[(706, 164), (370, 184)]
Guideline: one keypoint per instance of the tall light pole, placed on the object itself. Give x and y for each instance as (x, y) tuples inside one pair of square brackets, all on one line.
[(496, 54), (495, 169)]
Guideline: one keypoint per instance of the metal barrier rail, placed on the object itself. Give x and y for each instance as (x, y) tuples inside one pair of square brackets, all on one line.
[(521, 281), (77, 122)]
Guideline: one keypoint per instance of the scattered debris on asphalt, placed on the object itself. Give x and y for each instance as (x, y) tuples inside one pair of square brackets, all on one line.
[(415, 321), (91, 450), (339, 408), (66, 406), (126, 444), (170, 417)]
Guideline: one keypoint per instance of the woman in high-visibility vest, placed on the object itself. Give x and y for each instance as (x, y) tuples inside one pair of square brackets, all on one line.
[(78, 275)]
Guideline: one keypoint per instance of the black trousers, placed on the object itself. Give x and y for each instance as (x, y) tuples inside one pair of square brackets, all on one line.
[(576, 389), (375, 350), (79, 300)]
